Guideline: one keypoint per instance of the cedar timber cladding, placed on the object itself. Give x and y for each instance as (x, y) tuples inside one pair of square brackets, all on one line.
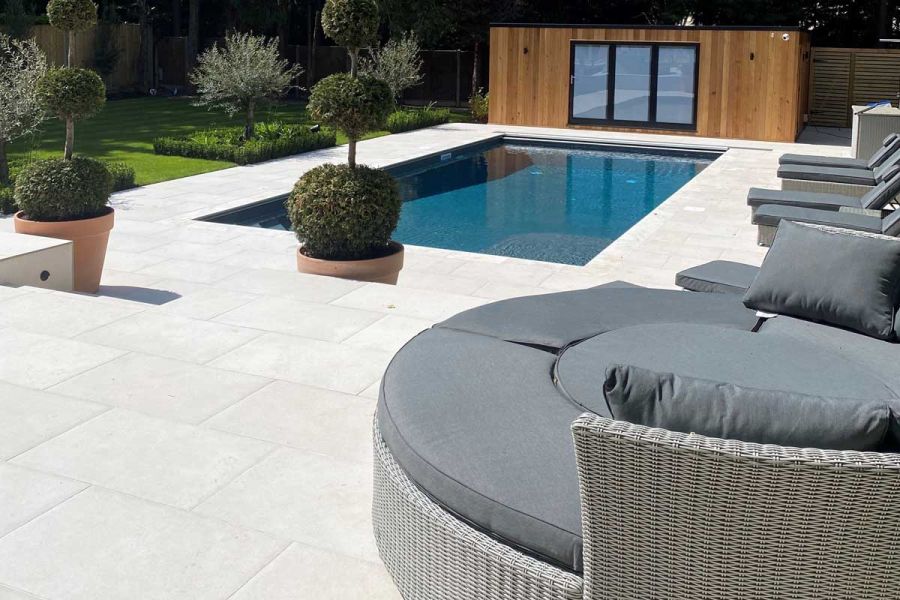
[(752, 83)]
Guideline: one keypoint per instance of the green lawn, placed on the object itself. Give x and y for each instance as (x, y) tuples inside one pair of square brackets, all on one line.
[(124, 131)]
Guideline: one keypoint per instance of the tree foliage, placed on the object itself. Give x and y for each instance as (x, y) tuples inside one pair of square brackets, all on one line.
[(72, 15), (355, 105), (22, 66), (18, 20), (71, 93), (351, 23), (244, 74), (397, 63)]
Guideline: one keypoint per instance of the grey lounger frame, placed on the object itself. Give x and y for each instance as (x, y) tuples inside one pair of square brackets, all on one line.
[(889, 145)]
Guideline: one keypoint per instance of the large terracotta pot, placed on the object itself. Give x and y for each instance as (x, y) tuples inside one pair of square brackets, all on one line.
[(89, 239), (379, 270)]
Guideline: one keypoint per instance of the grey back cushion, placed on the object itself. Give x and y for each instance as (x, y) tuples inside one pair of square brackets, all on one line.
[(884, 191), (890, 145), (880, 172), (728, 411), (845, 278)]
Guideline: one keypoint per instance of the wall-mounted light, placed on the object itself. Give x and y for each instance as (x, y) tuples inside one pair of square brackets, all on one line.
[(786, 37), (525, 50)]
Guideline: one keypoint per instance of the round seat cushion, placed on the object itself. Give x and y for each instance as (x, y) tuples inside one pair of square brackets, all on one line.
[(478, 425), (742, 358)]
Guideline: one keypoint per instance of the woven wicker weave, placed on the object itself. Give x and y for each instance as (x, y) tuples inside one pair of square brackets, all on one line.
[(668, 515), (825, 187), (434, 556)]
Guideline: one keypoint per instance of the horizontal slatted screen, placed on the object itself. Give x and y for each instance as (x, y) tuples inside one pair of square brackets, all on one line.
[(842, 77)]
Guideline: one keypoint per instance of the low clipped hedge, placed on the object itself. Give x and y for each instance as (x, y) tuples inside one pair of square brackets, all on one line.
[(407, 120), (7, 201), (271, 141), (121, 176)]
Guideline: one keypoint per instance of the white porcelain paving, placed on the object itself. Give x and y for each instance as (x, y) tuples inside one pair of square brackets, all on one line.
[(201, 427)]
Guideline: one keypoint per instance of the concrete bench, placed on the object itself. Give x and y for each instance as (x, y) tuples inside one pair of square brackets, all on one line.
[(36, 261)]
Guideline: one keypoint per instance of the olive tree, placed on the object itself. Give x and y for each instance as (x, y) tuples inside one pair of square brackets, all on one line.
[(71, 94), (243, 75), (352, 24), (22, 65), (397, 63), (71, 16)]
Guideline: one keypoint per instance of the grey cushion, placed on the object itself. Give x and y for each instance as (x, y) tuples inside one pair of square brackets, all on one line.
[(759, 196), (822, 274), (883, 193), (478, 425), (710, 352), (728, 411), (890, 225), (718, 276), (889, 146), (841, 162), (773, 214), (555, 320), (827, 174)]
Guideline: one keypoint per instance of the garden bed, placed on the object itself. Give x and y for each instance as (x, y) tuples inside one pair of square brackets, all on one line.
[(272, 140)]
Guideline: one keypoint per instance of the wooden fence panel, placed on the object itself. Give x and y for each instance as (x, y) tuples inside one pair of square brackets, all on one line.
[(842, 77)]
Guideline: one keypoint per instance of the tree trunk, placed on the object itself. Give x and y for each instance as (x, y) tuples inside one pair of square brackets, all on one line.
[(176, 18), (4, 164), (311, 49), (249, 121), (70, 138), (351, 154), (354, 60), (284, 22), (70, 50), (476, 67), (193, 32)]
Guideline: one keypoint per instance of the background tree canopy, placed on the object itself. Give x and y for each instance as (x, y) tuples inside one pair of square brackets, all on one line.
[(464, 23)]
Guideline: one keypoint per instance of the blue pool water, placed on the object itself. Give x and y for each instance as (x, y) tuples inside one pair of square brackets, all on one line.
[(550, 203)]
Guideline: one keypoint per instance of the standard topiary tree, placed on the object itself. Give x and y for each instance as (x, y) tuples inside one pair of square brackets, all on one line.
[(352, 24), (71, 94), (345, 214), (59, 189), (355, 105), (71, 16), (243, 75), (22, 65)]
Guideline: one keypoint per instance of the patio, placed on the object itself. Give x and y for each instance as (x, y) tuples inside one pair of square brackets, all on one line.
[(202, 427)]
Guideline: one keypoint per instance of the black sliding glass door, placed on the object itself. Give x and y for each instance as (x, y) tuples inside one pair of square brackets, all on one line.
[(634, 84)]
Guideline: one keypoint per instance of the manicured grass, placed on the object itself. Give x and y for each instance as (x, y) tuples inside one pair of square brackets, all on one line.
[(124, 131)]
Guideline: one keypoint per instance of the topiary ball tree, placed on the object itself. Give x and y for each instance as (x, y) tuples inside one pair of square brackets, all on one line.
[(58, 189), (71, 94), (71, 16), (341, 213), (354, 105), (352, 24)]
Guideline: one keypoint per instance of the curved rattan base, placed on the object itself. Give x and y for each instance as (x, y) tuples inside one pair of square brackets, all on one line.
[(434, 556)]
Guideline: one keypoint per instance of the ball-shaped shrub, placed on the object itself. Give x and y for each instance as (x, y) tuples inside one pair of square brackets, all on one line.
[(63, 190), (72, 15), (354, 105), (351, 23), (344, 213), (71, 93)]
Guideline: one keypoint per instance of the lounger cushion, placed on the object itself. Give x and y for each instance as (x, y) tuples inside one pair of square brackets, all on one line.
[(759, 196), (555, 320), (772, 214), (729, 411), (824, 161), (477, 424), (718, 276), (714, 353), (827, 174), (842, 278)]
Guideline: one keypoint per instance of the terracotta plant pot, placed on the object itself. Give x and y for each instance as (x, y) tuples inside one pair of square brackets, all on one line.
[(89, 238), (379, 270)]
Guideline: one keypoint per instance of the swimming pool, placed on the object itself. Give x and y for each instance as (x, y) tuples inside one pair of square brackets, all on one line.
[(561, 203)]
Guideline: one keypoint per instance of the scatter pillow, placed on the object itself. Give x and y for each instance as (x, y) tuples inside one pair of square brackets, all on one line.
[(728, 411), (835, 276)]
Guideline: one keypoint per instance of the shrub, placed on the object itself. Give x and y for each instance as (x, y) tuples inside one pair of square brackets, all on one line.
[(121, 176), (63, 189), (71, 94), (7, 200), (478, 105), (72, 15), (344, 213), (407, 120), (397, 64), (272, 141), (246, 73), (354, 105)]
